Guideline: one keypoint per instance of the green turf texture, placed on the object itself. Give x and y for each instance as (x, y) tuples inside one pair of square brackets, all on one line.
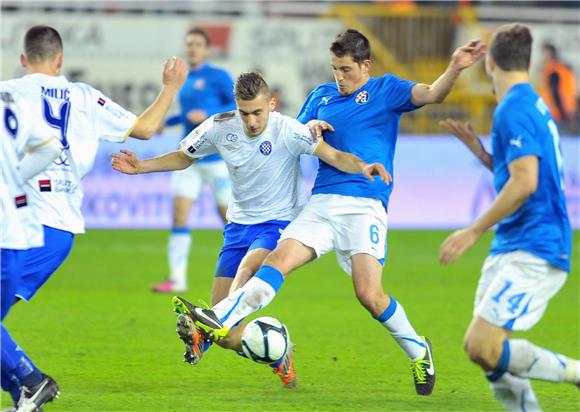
[(111, 343)]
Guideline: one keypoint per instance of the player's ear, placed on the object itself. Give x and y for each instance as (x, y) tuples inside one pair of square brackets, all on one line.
[(366, 66), (23, 60), (272, 104), (59, 60)]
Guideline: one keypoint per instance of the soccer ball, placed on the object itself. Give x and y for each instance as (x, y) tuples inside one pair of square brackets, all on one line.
[(265, 340)]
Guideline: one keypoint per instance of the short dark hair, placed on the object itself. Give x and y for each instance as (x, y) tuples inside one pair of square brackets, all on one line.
[(249, 85), (42, 43), (201, 32), (550, 48), (352, 43), (511, 47)]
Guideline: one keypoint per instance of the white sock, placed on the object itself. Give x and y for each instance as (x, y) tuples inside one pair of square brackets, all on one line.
[(530, 361), (178, 252), (515, 394), (395, 320), (254, 295)]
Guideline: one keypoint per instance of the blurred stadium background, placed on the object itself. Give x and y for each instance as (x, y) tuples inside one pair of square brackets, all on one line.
[(119, 46)]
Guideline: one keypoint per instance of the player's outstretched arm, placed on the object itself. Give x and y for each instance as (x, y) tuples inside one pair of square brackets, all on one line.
[(465, 133), (129, 163), (349, 163), (174, 73), (461, 59), (522, 183)]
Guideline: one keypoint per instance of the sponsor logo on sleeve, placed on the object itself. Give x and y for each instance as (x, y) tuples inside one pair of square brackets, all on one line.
[(303, 138), (517, 142), (101, 101)]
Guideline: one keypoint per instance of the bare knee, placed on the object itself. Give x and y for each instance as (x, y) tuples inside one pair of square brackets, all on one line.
[(484, 353)]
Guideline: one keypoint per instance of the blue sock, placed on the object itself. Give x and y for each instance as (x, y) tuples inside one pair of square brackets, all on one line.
[(10, 384), (271, 276), (502, 364), (15, 361)]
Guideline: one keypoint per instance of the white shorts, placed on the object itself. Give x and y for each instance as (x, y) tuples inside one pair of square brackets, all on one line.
[(189, 182), (515, 288), (349, 225)]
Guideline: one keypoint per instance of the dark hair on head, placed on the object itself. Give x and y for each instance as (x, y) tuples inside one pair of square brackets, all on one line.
[(352, 43), (249, 85), (201, 32), (42, 43), (511, 47), (549, 47)]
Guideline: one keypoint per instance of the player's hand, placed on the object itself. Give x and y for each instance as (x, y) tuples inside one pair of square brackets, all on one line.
[(317, 127), (456, 245), (377, 169), (196, 116), (463, 131), (127, 163), (174, 72), (469, 54)]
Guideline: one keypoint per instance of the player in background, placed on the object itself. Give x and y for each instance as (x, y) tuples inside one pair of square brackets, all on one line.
[(529, 257), (348, 213), (261, 149), (80, 116), (26, 149), (207, 90)]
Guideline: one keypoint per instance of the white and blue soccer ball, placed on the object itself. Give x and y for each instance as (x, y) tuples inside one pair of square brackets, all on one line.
[(265, 340)]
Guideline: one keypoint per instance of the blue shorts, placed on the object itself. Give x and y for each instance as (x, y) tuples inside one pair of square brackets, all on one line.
[(12, 262), (41, 262), (240, 239)]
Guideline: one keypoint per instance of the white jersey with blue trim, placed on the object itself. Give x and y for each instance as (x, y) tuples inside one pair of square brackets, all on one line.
[(21, 228), (81, 116), (265, 172)]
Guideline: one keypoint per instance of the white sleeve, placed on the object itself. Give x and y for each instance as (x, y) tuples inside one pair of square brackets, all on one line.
[(199, 143), (39, 158), (112, 122), (298, 138)]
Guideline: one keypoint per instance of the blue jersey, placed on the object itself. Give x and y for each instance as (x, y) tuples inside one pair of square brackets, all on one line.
[(206, 88), (523, 126), (366, 124)]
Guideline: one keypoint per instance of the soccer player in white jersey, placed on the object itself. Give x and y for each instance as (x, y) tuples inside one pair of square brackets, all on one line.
[(347, 213), (261, 150), (81, 116), (530, 255), (26, 149)]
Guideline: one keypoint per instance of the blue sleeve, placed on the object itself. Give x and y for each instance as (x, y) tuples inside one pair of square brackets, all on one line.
[(309, 108), (397, 93), (226, 91), (520, 138), (173, 120)]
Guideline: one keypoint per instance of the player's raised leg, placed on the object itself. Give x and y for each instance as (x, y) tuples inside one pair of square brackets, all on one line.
[(366, 276)]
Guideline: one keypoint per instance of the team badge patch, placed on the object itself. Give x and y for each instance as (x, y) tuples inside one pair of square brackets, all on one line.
[(362, 97), (266, 148)]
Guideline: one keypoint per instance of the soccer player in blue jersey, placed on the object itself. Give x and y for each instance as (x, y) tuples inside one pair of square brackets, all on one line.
[(207, 90), (346, 213), (529, 257)]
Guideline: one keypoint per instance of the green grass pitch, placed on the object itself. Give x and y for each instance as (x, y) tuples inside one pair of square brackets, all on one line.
[(111, 344)]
